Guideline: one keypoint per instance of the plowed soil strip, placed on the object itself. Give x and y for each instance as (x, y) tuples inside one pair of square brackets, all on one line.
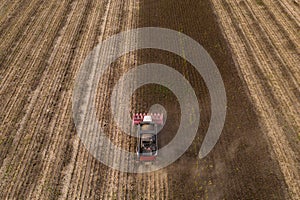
[(239, 139)]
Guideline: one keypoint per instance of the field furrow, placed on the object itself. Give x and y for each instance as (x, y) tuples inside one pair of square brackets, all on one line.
[(254, 43), (258, 68)]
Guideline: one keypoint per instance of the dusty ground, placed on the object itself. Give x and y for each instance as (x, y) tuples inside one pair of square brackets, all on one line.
[(255, 45)]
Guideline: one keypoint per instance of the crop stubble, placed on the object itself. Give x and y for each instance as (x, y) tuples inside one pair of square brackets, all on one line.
[(44, 43)]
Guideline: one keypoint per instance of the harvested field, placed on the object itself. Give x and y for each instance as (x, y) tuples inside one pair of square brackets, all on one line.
[(255, 45), (266, 33)]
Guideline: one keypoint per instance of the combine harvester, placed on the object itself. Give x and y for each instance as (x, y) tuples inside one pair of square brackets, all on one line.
[(146, 124)]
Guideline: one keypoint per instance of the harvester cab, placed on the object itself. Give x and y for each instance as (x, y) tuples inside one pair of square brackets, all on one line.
[(147, 146)]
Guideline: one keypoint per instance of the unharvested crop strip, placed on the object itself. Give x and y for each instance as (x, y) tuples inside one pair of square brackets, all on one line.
[(274, 132)]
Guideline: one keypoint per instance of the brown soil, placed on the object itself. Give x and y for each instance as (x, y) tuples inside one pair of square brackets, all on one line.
[(255, 46)]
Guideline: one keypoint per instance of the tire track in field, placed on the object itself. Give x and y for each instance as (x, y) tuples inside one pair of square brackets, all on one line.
[(82, 183), (98, 169), (11, 16), (38, 142), (43, 127), (14, 75), (47, 122), (12, 35), (22, 76), (70, 169), (79, 186), (113, 187), (288, 31), (287, 60), (276, 37), (15, 101), (77, 31), (283, 82), (21, 82), (284, 16), (55, 182), (248, 58), (271, 86), (292, 10), (52, 152), (287, 103), (7, 12), (113, 183), (87, 10), (116, 188)]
